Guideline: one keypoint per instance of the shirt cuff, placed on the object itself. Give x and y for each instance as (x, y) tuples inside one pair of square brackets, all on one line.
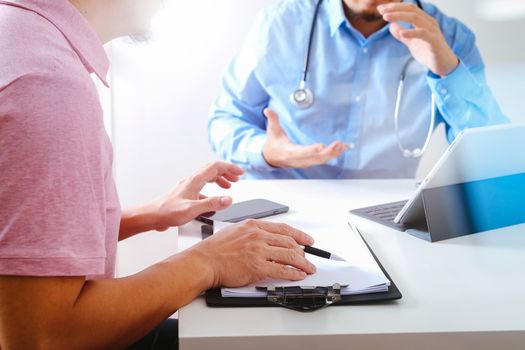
[(254, 153), (458, 84)]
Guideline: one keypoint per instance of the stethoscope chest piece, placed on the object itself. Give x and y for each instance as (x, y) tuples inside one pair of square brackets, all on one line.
[(415, 153), (302, 98)]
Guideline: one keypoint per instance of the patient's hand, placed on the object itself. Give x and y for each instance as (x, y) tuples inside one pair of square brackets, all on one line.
[(253, 250), (280, 152), (182, 204), (185, 202)]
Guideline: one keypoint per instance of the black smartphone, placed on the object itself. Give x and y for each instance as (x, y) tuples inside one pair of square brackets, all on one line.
[(252, 209)]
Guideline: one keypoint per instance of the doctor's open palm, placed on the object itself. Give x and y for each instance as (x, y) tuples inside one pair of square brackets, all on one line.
[(280, 152)]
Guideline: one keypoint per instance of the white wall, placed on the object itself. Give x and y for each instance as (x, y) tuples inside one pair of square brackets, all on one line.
[(508, 84), (162, 91)]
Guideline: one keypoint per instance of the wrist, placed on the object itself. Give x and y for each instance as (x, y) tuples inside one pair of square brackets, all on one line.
[(153, 216), (450, 66), (185, 276), (271, 163), (204, 266), (276, 156), (140, 219)]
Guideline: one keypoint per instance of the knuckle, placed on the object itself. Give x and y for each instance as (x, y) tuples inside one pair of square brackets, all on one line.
[(293, 256), (253, 236), (259, 236), (211, 204), (255, 248), (209, 168), (291, 243), (300, 251), (285, 271), (194, 178), (250, 223), (285, 228)]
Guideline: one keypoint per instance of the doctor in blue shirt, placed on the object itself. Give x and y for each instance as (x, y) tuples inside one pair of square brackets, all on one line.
[(345, 114)]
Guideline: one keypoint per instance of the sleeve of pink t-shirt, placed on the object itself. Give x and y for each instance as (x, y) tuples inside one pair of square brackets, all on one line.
[(53, 167)]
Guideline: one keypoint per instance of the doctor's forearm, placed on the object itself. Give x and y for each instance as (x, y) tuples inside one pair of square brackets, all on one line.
[(465, 100), (238, 142)]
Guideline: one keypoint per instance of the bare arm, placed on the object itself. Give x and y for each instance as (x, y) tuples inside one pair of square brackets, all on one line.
[(72, 313)]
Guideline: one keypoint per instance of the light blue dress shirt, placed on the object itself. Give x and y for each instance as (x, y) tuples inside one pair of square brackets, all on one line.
[(355, 82)]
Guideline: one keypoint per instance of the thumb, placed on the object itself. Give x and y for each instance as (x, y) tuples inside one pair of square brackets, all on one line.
[(211, 204), (274, 126)]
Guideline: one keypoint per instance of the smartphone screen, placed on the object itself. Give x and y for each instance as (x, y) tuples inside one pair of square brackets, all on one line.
[(252, 209)]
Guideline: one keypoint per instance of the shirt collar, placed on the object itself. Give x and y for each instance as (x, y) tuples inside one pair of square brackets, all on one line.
[(336, 15), (75, 28)]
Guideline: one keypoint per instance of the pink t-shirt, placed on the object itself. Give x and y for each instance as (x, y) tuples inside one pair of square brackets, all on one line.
[(59, 210)]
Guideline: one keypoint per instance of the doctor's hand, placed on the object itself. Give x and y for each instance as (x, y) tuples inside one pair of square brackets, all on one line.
[(280, 152), (425, 41)]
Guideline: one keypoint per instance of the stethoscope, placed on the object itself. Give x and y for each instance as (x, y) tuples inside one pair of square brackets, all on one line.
[(303, 97)]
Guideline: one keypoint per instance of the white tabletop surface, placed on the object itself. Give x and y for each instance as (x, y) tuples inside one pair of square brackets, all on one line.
[(467, 292)]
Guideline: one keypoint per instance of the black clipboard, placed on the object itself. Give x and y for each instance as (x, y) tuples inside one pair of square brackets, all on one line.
[(215, 299)]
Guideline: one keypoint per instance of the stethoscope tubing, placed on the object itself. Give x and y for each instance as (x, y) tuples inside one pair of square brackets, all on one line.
[(303, 97)]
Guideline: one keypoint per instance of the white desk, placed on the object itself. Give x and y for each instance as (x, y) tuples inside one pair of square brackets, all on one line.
[(459, 294)]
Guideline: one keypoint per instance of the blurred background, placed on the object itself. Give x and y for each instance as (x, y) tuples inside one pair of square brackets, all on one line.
[(157, 109), (162, 90)]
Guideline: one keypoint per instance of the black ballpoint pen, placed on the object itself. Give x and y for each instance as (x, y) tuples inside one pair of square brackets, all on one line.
[(322, 253)]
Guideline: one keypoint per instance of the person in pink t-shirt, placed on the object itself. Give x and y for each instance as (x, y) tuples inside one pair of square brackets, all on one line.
[(60, 218)]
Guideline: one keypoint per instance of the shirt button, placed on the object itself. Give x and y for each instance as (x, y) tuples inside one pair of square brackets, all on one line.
[(351, 145), (443, 91), (365, 50), (358, 99)]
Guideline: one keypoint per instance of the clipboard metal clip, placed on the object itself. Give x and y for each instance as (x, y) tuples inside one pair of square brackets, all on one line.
[(304, 299)]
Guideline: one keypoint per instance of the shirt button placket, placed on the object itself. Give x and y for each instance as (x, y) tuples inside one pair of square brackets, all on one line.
[(357, 106)]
